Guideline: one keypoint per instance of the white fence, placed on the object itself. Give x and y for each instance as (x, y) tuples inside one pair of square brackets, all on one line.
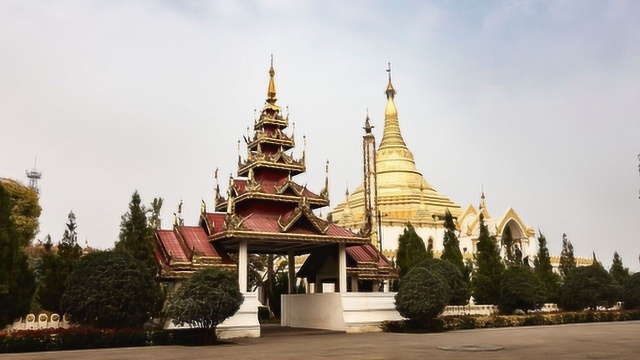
[(41, 321)]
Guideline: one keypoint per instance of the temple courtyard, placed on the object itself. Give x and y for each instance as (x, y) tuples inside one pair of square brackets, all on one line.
[(576, 341)]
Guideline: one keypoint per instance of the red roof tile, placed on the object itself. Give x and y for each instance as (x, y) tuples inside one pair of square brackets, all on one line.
[(367, 253), (195, 237), (171, 245)]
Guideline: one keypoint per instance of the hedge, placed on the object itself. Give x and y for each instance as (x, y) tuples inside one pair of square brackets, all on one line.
[(449, 323), (89, 338)]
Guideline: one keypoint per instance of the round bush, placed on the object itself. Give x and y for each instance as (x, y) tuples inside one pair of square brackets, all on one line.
[(588, 287), (205, 300), (460, 292), (631, 292), (520, 289), (422, 295), (110, 290)]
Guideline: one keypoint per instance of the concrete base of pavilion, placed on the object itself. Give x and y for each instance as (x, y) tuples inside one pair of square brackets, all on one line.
[(349, 312), (243, 324)]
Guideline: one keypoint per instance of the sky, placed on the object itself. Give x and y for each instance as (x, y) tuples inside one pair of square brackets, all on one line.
[(536, 102)]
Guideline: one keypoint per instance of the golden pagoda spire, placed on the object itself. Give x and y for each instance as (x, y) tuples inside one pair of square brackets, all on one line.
[(391, 136), (271, 93)]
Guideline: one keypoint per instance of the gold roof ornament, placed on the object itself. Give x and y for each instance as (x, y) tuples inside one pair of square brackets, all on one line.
[(271, 93)]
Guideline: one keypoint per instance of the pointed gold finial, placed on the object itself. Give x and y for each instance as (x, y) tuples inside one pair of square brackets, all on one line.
[(482, 200), (271, 93), (391, 92)]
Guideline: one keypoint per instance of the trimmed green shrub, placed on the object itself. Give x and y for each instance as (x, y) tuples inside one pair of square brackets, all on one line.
[(423, 294), (205, 300), (588, 287), (460, 292), (631, 292), (110, 290), (520, 289)]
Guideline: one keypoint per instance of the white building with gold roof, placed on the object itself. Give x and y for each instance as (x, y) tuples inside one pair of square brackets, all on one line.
[(394, 193)]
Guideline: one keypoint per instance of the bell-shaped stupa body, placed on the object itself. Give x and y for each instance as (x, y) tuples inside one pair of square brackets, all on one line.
[(401, 193)]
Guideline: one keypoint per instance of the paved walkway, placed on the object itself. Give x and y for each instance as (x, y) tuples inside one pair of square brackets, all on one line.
[(580, 341)]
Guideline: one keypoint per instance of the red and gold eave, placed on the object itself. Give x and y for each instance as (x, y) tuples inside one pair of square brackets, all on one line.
[(185, 249)]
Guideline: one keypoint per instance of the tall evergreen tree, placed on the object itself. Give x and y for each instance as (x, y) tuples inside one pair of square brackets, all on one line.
[(56, 266), (451, 245), (544, 271), (411, 250), (489, 268), (567, 259), (617, 270), (19, 213), (135, 236)]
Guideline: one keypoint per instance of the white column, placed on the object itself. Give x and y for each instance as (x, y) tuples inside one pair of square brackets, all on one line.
[(242, 265), (342, 268), (292, 272)]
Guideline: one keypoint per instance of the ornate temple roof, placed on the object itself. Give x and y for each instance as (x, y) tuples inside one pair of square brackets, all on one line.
[(263, 205), (403, 194), (185, 249)]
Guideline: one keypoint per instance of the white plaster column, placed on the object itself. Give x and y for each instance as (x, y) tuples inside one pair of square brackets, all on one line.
[(292, 272), (242, 265), (342, 268)]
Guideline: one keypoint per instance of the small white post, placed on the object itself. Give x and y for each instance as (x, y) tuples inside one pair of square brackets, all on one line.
[(242, 265), (342, 268), (292, 272)]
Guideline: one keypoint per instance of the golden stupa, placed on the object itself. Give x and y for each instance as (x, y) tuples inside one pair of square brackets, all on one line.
[(401, 194)]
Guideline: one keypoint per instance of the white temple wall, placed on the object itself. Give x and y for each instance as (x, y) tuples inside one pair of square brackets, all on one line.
[(390, 235), (350, 312)]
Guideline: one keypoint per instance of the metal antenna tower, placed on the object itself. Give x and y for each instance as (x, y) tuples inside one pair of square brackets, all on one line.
[(34, 175)]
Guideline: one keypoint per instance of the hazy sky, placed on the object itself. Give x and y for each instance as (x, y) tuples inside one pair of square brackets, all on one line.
[(539, 101)]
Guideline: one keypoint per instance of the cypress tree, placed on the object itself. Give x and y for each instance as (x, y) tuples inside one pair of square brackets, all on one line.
[(567, 259), (489, 268), (135, 236), (544, 271), (617, 270), (451, 245), (411, 250)]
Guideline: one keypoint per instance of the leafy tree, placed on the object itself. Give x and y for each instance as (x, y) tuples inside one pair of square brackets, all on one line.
[(588, 287), (617, 270), (520, 289), (110, 290), (451, 244), (422, 295), (135, 236), (567, 259), (56, 267), (544, 271), (507, 242), (489, 268), (411, 250), (459, 289), (205, 300), (50, 285), (631, 292), (19, 212)]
